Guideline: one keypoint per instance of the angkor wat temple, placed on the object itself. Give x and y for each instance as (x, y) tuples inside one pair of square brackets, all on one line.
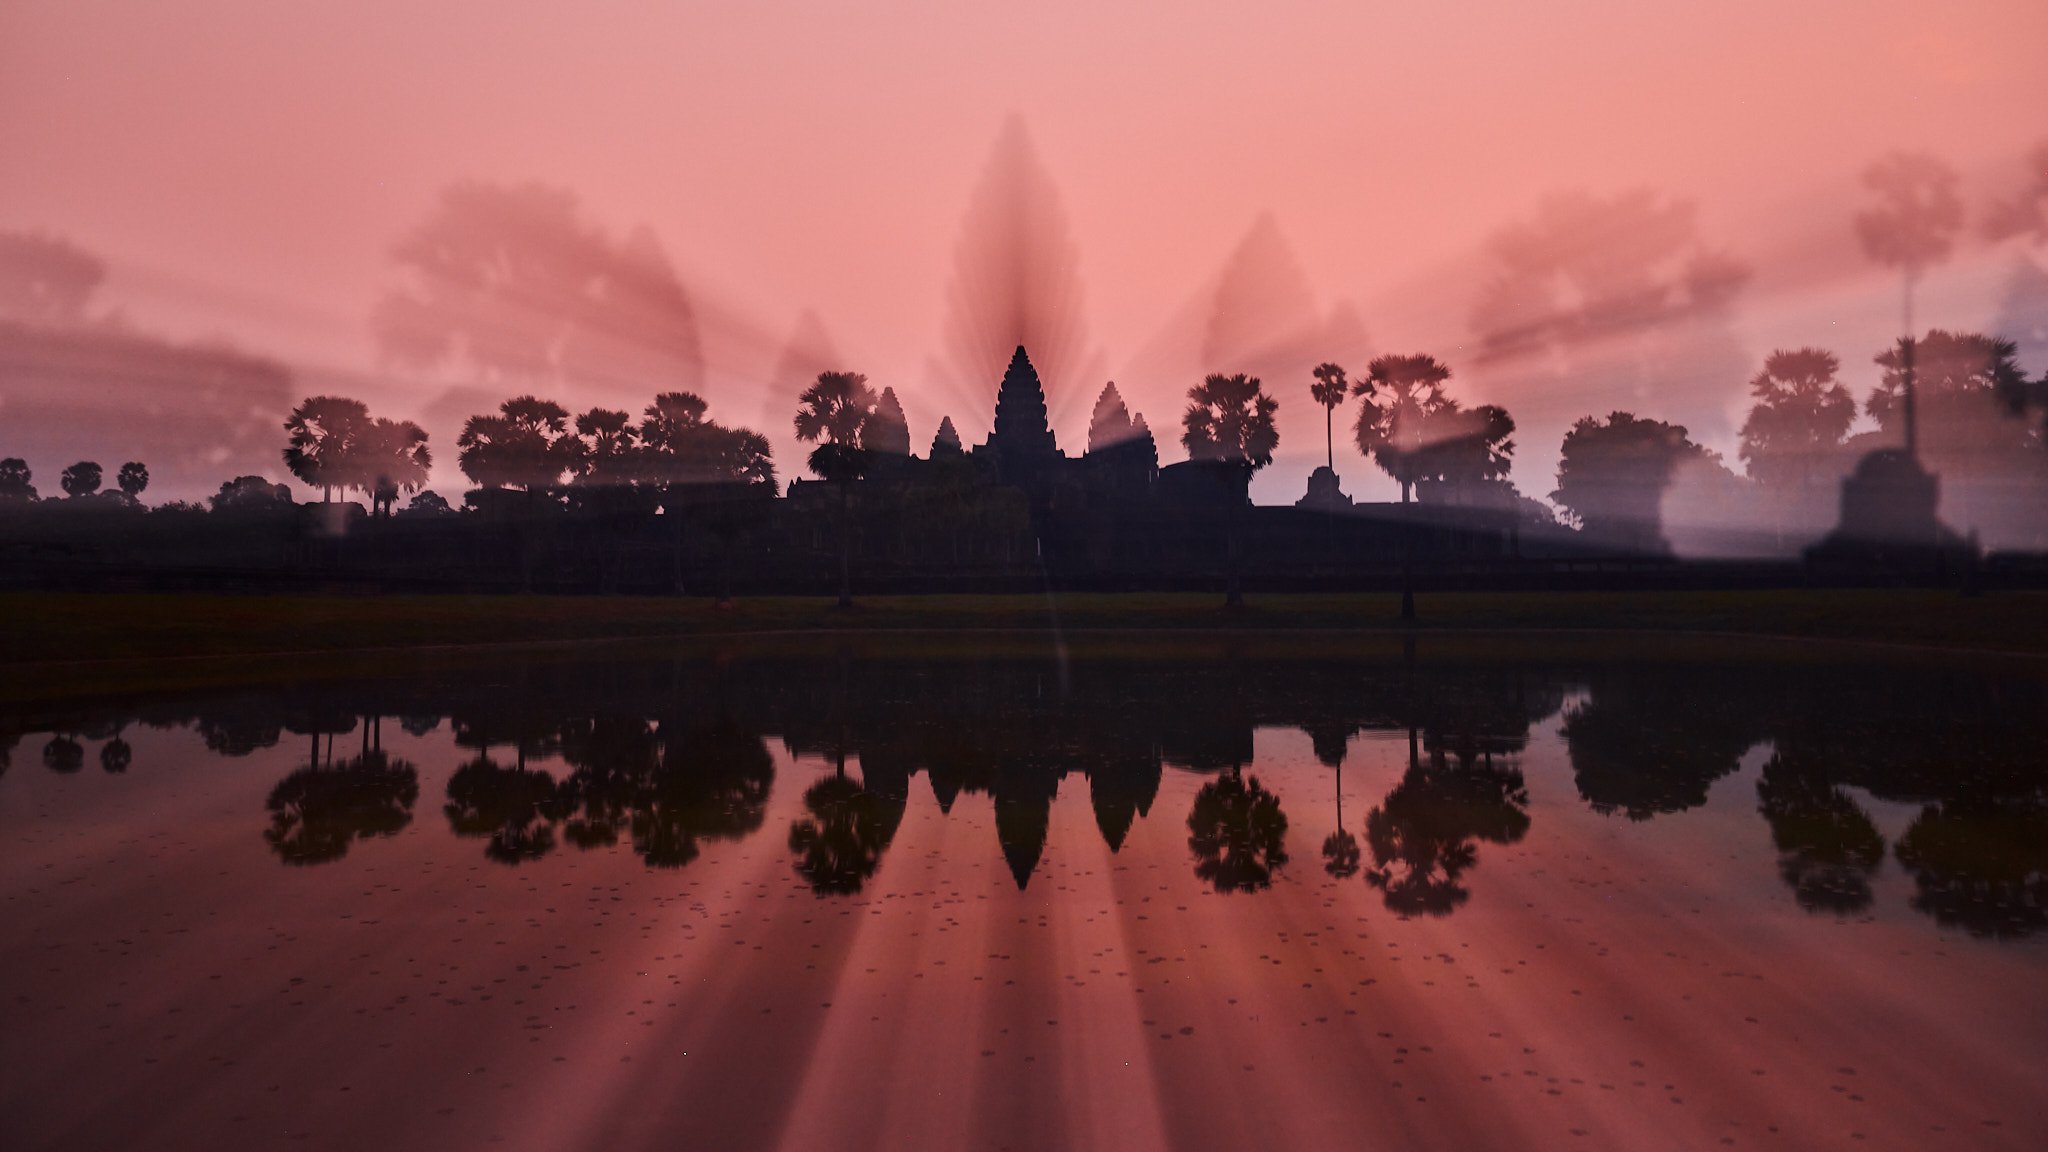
[(1015, 512)]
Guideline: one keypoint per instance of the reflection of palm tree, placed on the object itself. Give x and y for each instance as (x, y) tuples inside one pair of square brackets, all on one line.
[(1827, 846), (711, 784), (1238, 834), (1340, 848), (316, 812), (516, 807), (116, 755), (1981, 864), (841, 845), (1422, 835), (63, 754)]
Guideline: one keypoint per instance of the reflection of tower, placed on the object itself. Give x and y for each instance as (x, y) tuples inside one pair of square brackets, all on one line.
[(1022, 441)]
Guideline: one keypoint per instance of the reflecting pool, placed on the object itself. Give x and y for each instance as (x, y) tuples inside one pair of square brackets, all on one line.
[(918, 893)]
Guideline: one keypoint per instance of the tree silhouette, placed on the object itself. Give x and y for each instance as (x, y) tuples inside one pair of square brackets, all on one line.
[(1827, 845), (316, 812), (395, 459), (1468, 449), (608, 460), (116, 755), (1957, 386), (1329, 390), (1981, 864), (133, 479), (63, 754), (15, 481), (80, 480), (1238, 834), (516, 808), (1229, 422), (1422, 835), (1230, 419), (1645, 743), (250, 493), (527, 445), (840, 846), (831, 413), (711, 784), (428, 503), (1612, 476), (1795, 431), (323, 444), (683, 454), (1330, 738), (1912, 225), (1402, 397)]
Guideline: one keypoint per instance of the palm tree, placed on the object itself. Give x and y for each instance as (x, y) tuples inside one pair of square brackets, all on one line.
[(80, 480), (133, 479), (1229, 420), (1329, 390), (1912, 226), (16, 481), (395, 460), (515, 808), (1401, 395), (1796, 428), (325, 433), (682, 452), (831, 414), (526, 445)]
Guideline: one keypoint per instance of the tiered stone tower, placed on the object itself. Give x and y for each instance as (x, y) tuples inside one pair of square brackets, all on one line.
[(1022, 441)]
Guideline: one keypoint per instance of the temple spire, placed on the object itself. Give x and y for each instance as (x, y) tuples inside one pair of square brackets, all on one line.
[(1021, 431)]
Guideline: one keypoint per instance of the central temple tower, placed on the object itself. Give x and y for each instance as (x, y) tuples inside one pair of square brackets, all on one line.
[(1022, 441)]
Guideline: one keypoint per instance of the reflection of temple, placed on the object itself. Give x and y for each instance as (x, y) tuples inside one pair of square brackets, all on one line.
[(664, 756)]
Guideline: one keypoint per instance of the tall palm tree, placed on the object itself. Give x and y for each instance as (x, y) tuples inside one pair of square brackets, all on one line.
[(133, 479), (831, 414), (324, 435), (1401, 397), (1329, 390)]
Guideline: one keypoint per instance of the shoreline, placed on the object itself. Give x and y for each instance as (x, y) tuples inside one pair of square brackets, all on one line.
[(55, 645)]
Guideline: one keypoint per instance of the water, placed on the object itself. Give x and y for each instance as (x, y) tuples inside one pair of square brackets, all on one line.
[(905, 893)]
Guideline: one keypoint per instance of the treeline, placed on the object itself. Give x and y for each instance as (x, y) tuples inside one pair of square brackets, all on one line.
[(1980, 419)]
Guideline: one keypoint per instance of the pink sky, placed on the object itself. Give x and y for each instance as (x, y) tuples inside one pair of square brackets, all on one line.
[(246, 165)]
